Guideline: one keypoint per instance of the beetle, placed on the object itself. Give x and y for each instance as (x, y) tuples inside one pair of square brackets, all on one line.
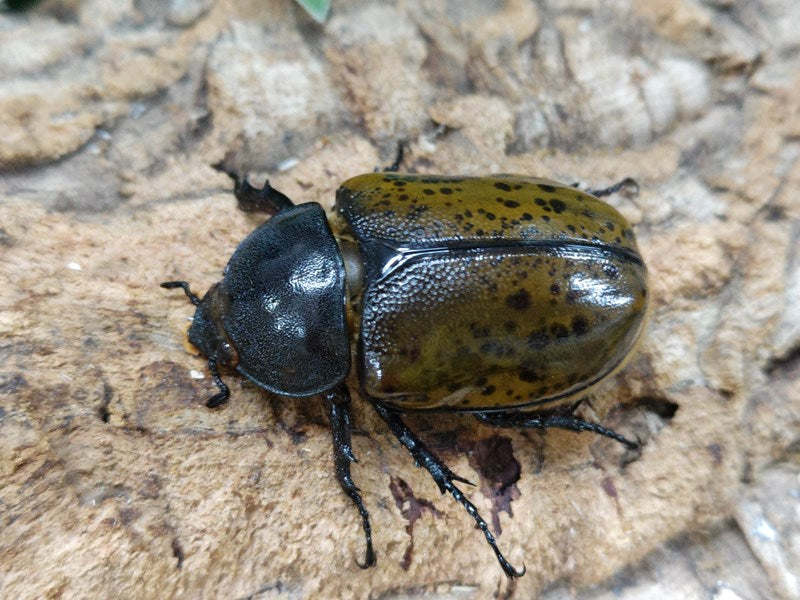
[(505, 296)]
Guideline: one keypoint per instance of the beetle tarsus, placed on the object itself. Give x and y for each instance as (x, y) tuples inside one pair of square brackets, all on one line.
[(338, 403), (628, 182), (443, 477), (398, 159), (224, 393), (264, 200), (543, 421), (185, 287)]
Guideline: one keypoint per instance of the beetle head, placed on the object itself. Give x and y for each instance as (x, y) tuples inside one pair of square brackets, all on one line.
[(207, 332)]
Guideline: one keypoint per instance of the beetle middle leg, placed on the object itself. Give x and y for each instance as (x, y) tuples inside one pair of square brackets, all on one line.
[(338, 403), (443, 477), (561, 420)]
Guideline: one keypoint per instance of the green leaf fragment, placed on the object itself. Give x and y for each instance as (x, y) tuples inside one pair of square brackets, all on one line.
[(318, 9)]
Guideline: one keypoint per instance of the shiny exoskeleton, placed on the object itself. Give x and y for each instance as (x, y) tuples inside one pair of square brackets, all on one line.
[(506, 296)]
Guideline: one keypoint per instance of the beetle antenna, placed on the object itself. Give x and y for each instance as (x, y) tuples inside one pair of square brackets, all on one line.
[(224, 393), (185, 287), (338, 403), (443, 477), (265, 200)]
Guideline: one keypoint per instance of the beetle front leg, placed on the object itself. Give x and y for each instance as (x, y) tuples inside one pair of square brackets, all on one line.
[(443, 477), (224, 393), (543, 421), (337, 401)]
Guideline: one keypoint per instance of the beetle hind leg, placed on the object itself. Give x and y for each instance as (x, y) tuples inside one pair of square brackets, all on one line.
[(443, 477), (629, 183), (543, 421), (338, 403)]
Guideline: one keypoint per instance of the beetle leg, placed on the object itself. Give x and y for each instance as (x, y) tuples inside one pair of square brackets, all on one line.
[(398, 159), (628, 182), (443, 477), (543, 421), (224, 393), (338, 403)]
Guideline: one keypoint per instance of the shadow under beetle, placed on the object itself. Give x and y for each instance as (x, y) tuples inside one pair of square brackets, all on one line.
[(506, 296)]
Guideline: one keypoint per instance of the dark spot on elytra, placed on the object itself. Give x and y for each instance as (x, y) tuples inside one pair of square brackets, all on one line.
[(478, 330), (402, 197), (488, 390), (400, 183), (547, 188), (479, 232), (580, 325), (491, 216), (545, 218), (571, 228), (572, 296), (609, 225), (558, 205), (611, 271), (527, 217), (530, 375), (502, 186), (496, 348), (541, 201), (428, 191), (538, 339), (446, 190), (558, 330), (511, 203), (519, 300), (468, 213)]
